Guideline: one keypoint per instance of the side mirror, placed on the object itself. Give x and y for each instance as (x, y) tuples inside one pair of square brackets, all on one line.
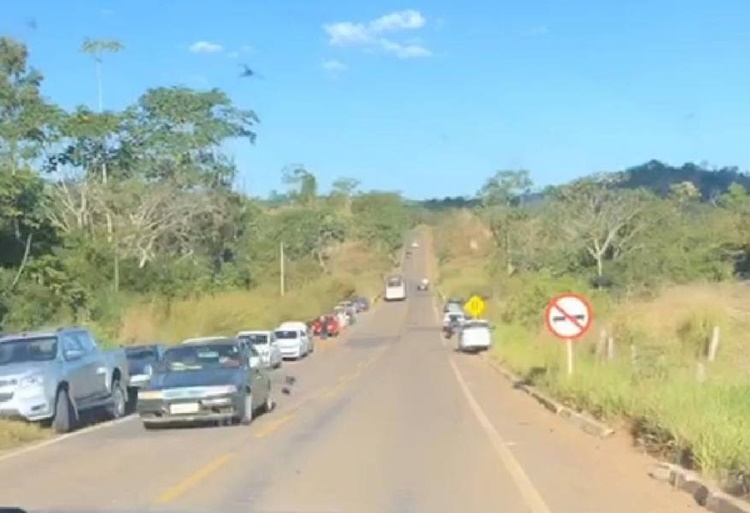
[(73, 354)]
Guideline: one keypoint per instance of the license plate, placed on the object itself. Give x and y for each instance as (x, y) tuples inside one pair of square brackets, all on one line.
[(183, 408)]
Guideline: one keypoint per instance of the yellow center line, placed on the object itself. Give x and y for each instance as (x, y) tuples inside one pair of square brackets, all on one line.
[(273, 426), (192, 480)]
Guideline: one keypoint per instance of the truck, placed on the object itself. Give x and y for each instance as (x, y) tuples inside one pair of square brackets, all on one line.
[(54, 377)]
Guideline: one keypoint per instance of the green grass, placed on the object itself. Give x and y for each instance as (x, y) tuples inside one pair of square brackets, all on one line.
[(659, 396)]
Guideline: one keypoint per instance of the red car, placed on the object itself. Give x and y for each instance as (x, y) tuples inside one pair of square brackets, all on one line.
[(332, 325)]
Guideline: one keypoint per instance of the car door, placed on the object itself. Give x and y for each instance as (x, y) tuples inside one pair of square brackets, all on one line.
[(257, 386), (96, 365), (78, 371), (275, 350)]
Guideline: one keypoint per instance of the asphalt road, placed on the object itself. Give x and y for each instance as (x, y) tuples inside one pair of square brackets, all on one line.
[(386, 419)]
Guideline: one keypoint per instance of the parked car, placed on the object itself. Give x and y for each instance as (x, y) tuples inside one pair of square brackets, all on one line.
[(454, 305), (266, 345), (363, 303), (140, 362), (294, 340), (56, 376), (475, 336), (214, 381)]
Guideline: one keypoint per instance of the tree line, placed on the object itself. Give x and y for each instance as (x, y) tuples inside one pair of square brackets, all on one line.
[(637, 229), (98, 207)]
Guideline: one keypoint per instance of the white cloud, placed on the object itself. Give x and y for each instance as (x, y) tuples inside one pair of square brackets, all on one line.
[(370, 35), (402, 20), (405, 51), (334, 65), (205, 47)]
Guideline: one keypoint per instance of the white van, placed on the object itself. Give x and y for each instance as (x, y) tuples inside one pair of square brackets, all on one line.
[(475, 336), (293, 340), (266, 345), (395, 288)]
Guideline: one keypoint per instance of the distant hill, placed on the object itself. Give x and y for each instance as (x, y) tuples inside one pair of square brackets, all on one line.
[(654, 175), (658, 177)]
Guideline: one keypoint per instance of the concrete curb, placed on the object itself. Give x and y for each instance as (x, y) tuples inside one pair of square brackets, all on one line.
[(584, 422), (704, 493)]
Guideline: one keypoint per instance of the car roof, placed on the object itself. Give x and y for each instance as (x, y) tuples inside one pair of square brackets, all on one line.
[(477, 323), (254, 332), (204, 340), (39, 333)]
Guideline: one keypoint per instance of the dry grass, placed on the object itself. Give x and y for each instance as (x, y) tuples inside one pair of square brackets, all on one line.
[(13, 434), (353, 269), (658, 392)]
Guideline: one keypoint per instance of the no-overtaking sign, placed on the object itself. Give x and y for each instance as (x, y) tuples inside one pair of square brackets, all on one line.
[(568, 316)]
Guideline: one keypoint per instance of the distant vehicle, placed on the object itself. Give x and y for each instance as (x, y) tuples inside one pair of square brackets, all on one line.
[(454, 318), (294, 340), (363, 304), (265, 343), (454, 305), (55, 376), (205, 382), (415, 244), (141, 360), (452, 323), (424, 284), (395, 288), (475, 336)]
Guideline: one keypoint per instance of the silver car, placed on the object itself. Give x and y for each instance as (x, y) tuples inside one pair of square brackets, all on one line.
[(55, 376), (265, 343)]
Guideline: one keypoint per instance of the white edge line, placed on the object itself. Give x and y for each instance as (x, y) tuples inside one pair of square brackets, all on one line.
[(530, 494), (61, 438)]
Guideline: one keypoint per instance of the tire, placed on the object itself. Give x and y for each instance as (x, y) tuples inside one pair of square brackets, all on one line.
[(119, 405), (270, 404), (246, 413), (65, 413)]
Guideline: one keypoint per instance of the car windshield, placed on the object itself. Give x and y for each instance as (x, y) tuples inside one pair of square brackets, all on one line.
[(477, 325), (24, 350), (455, 317), (286, 334), (394, 282), (202, 356), (141, 353), (255, 339)]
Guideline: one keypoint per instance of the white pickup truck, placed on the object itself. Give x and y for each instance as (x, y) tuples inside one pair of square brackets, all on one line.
[(54, 376)]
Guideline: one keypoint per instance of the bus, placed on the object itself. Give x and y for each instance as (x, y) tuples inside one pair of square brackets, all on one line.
[(395, 288)]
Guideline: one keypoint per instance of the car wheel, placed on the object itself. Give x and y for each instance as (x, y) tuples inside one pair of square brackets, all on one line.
[(119, 403), (246, 412), (65, 413), (269, 405)]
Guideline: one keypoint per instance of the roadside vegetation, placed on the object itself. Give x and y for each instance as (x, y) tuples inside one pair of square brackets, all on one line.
[(661, 252), (129, 222)]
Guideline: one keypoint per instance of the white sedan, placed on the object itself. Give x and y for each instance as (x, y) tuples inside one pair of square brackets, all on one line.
[(265, 344)]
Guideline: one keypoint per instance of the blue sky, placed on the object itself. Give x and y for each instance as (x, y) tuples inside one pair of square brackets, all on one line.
[(431, 96)]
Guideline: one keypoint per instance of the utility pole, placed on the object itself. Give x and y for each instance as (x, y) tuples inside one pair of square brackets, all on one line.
[(281, 269), (96, 48)]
